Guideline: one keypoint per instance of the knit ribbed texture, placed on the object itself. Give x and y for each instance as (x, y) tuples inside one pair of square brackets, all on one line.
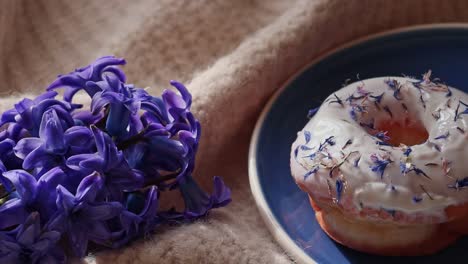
[(232, 54)]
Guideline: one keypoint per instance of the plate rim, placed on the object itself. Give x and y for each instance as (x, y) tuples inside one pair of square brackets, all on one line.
[(279, 234)]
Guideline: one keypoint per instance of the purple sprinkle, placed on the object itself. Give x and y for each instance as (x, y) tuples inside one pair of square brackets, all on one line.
[(437, 147), (356, 162), (382, 135), (417, 199), (312, 112), (380, 164), (362, 91), (444, 136), (305, 148), (461, 130), (339, 189), (311, 156), (330, 140), (396, 87), (407, 151), (307, 136), (296, 151), (419, 171), (313, 171), (382, 143), (459, 184), (353, 114), (403, 168), (377, 98), (352, 98)]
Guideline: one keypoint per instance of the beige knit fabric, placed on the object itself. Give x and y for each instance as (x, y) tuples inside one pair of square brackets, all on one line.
[(232, 55)]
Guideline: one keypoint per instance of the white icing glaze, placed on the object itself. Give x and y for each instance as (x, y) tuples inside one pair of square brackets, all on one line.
[(410, 193)]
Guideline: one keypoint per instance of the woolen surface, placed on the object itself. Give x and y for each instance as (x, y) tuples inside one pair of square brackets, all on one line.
[(231, 54)]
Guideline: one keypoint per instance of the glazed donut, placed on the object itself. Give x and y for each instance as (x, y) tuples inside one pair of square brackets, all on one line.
[(383, 163)]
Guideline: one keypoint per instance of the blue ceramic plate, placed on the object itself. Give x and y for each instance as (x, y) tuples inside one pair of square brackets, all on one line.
[(286, 210)]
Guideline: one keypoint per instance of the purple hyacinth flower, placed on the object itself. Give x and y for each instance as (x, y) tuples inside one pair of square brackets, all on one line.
[(139, 216), (47, 150), (31, 194), (30, 243), (86, 117), (14, 132), (110, 162), (197, 202), (120, 101), (81, 216), (77, 80), (7, 154), (28, 113)]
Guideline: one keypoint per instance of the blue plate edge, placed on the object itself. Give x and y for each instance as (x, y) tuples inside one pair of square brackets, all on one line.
[(280, 235)]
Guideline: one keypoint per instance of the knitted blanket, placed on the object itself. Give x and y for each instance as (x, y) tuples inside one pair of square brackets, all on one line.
[(231, 54)]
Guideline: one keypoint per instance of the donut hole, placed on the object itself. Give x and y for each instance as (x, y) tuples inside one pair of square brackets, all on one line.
[(409, 132)]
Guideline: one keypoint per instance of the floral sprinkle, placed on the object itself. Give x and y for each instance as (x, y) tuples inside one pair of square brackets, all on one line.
[(352, 98), (339, 189), (307, 136), (305, 148), (377, 98), (311, 156), (330, 141), (407, 151), (312, 112), (380, 164), (459, 184), (356, 161), (352, 113), (382, 135), (382, 143), (396, 87), (296, 151), (313, 171), (444, 136)]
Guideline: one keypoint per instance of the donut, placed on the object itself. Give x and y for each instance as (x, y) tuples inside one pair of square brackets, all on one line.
[(384, 162)]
